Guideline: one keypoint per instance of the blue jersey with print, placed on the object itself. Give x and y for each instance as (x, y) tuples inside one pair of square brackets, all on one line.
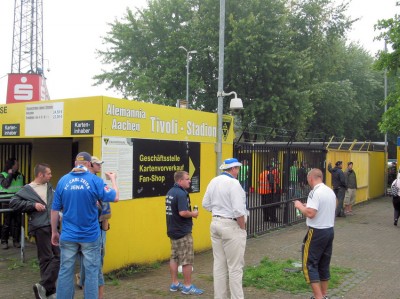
[(76, 196)]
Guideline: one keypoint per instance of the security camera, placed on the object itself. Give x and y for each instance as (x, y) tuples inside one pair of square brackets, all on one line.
[(236, 105)]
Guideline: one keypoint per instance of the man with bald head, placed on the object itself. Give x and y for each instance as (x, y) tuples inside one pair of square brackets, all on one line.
[(317, 244)]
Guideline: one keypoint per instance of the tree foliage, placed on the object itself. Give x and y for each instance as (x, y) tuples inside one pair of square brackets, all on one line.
[(389, 62), (288, 61)]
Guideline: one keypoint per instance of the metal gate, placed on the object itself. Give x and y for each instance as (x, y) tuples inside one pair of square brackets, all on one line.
[(273, 176), (21, 152)]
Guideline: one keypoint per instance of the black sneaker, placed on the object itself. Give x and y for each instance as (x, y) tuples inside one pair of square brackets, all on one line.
[(395, 222)]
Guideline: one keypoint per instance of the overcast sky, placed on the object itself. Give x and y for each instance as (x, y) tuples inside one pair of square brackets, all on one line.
[(72, 31)]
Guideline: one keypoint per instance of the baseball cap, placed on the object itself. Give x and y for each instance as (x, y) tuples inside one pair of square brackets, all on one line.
[(83, 156), (229, 163), (96, 160)]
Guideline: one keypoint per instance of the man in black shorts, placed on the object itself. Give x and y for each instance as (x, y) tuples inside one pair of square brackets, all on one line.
[(179, 229), (317, 244)]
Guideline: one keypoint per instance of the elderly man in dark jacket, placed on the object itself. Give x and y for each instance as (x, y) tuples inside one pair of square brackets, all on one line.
[(339, 186), (36, 199)]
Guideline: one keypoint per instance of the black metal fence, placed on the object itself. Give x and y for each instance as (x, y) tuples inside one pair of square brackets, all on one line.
[(4, 208), (22, 152), (273, 176)]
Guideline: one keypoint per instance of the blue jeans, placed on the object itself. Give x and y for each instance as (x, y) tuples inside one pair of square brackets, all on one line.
[(91, 261), (103, 252)]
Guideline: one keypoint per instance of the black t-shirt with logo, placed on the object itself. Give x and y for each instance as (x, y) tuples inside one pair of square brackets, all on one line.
[(176, 200)]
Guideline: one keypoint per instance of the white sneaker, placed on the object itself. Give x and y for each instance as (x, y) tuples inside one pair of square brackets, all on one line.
[(40, 291)]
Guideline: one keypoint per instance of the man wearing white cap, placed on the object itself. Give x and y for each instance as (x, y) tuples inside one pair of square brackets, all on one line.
[(226, 199)]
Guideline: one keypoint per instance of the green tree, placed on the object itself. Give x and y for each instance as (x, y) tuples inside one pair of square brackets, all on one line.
[(287, 61), (390, 61), (347, 104)]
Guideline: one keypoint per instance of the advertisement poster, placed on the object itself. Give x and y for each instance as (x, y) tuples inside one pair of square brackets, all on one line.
[(156, 161), (117, 156)]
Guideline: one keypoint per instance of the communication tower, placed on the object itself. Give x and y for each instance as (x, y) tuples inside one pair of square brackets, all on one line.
[(27, 46)]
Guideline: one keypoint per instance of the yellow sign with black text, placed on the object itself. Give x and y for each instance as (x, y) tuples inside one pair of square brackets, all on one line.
[(104, 116)]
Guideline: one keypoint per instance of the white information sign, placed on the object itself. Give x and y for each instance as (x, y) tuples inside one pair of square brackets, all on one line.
[(44, 119), (118, 157)]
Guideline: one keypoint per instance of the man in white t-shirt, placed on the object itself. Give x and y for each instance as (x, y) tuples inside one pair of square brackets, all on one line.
[(317, 244)]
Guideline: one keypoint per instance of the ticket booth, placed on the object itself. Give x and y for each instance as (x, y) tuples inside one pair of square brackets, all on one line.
[(144, 143)]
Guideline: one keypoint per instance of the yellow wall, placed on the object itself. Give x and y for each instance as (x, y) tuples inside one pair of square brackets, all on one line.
[(138, 228), (377, 170), (364, 164)]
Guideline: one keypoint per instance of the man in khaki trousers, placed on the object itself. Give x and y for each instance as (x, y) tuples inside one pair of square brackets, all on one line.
[(226, 199)]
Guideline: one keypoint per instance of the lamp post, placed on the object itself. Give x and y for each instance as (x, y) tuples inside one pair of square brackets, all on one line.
[(218, 145), (236, 103), (386, 141), (187, 72)]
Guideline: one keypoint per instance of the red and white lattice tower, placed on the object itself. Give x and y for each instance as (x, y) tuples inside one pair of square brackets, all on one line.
[(27, 82)]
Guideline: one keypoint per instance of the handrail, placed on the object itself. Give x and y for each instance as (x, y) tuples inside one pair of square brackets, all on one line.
[(4, 199)]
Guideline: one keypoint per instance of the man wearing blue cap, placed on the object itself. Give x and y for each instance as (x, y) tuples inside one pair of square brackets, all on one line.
[(76, 196), (226, 200)]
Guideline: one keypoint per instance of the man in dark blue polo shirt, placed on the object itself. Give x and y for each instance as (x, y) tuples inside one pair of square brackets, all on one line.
[(179, 229)]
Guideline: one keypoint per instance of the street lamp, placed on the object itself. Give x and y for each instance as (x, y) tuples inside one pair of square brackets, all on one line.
[(236, 103), (187, 72), (386, 140)]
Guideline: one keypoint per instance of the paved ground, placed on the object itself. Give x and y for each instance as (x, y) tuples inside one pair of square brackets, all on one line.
[(367, 242)]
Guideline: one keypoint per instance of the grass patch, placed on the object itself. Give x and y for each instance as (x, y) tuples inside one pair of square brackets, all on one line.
[(32, 264), (282, 275), (114, 276), (15, 265)]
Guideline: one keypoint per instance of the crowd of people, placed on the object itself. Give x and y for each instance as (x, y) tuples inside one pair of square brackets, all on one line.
[(225, 198), (84, 223), (79, 206)]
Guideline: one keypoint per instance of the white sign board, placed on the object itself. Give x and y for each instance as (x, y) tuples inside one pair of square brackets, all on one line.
[(118, 157), (44, 119)]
